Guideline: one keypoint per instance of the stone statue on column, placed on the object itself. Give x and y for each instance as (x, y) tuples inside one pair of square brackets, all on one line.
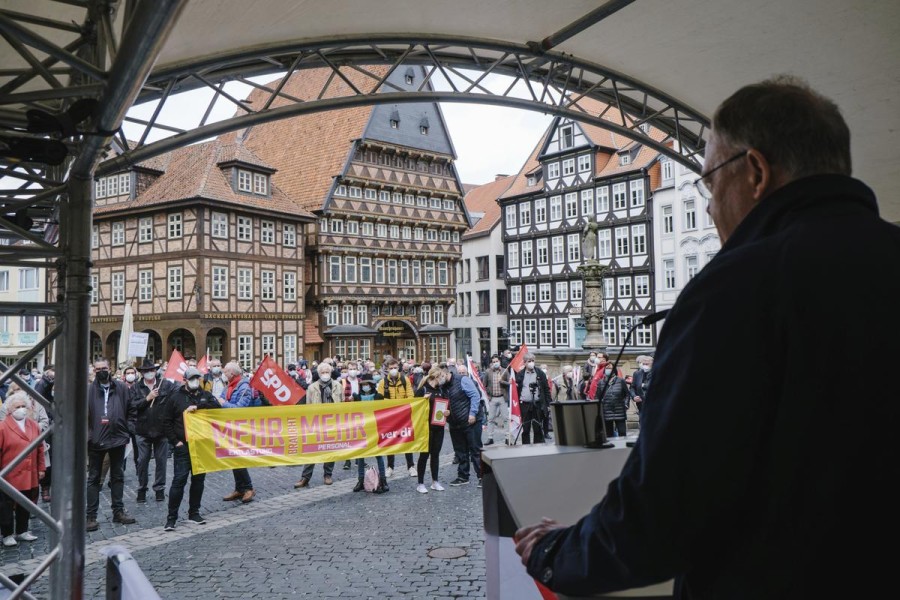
[(592, 301)]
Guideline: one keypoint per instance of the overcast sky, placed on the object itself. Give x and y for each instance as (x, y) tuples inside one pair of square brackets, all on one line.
[(489, 140)]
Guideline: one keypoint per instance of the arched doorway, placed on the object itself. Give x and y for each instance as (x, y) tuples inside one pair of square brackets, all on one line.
[(397, 338), (111, 348), (154, 346), (217, 342), (96, 347), (183, 341)]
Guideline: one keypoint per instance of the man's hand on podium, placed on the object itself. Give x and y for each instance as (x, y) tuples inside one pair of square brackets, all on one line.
[(526, 537)]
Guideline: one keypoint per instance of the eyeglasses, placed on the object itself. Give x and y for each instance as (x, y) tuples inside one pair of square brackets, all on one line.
[(701, 187)]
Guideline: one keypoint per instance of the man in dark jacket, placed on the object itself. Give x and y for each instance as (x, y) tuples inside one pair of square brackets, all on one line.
[(188, 398), (149, 397), (747, 493), (464, 421), (534, 395), (612, 392), (640, 382), (109, 412)]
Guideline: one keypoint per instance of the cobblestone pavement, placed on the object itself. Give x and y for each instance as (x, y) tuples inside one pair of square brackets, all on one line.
[(320, 542)]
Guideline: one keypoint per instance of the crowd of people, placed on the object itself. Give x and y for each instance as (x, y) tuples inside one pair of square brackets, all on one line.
[(136, 410)]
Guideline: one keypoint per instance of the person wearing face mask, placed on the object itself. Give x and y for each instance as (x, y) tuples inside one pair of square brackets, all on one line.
[(396, 386), (189, 397), (496, 384), (110, 410), (351, 391), (506, 358), (149, 396), (323, 390), (17, 431), (44, 387), (464, 420), (366, 393), (418, 377), (434, 385), (238, 394), (214, 381), (612, 392), (565, 388), (130, 377), (534, 394), (640, 382)]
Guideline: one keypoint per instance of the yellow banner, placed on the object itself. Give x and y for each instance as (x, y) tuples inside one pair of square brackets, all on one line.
[(268, 436)]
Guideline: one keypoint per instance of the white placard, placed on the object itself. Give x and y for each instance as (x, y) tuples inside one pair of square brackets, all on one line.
[(137, 344)]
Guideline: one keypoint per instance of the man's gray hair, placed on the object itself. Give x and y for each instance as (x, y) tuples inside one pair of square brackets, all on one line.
[(528, 356), (797, 129), (324, 367)]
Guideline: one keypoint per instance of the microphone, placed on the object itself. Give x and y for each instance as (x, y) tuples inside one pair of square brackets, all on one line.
[(600, 440)]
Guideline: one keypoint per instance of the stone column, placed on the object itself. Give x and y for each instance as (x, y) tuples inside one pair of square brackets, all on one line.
[(592, 304)]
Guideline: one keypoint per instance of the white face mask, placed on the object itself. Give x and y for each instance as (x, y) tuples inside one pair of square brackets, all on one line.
[(193, 384), (594, 360), (20, 413), (530, 365), (353, 374), (130, 378), (325, 378), (645, 368), (393, 372), (149, 375)]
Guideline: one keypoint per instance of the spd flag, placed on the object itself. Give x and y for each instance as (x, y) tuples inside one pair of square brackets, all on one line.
[(277, 386), (203, 363), (473, 372), (518, 360), (176, 367)]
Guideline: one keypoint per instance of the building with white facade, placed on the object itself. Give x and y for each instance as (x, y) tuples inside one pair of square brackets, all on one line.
[(684, 235), (478, 319), (19, 334)]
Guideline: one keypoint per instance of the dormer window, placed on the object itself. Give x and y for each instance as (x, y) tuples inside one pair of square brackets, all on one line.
[(532, 181), (341, 190), (645, 127), (410, 76), (260, 184), (624, 159), (566, 137), (423, 126), (395, 119), (244, 181)]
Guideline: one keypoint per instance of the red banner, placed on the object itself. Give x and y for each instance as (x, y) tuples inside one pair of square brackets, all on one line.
[(202, 364), (518, 360), (278, 387), (176, 366)]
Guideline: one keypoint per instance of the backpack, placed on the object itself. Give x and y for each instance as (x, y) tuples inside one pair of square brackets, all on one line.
[(370, 481)]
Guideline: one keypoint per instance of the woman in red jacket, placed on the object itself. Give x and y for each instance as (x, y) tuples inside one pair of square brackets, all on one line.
[(16, 432)]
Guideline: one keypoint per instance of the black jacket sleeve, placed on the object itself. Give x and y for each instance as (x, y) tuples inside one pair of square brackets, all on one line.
[(171, 413)]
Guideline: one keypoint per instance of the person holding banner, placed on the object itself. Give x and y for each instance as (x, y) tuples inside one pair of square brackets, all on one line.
[(396, 386), (367, 392), (238, 394), (322, 390), (188, 398), (434, 385)]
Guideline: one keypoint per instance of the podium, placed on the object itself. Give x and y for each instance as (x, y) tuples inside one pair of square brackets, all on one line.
[(521, 484)]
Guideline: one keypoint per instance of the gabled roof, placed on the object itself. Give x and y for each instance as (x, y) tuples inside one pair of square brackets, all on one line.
[(195, 172), (520, 183), (483, 199)]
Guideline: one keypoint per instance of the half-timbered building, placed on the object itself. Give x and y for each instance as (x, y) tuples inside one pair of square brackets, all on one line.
[(381, 181), (575, 173), (206, 250)]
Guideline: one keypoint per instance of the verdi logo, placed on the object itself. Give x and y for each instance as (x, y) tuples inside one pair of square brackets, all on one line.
[(394, 425)]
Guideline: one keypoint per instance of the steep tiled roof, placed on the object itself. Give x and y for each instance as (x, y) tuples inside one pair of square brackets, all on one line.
[(193, 172), (520, 184), (483, 199), (309, 150)]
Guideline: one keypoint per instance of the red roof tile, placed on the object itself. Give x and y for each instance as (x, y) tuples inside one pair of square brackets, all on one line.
[(483, 199)]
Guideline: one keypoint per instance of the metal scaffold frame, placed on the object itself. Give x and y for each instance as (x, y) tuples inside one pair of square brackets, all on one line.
[(47, 171)]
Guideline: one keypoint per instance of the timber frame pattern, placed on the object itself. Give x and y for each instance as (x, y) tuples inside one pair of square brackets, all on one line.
[(108, 57)]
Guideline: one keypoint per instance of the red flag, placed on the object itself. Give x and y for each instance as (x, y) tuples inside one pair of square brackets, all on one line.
[(515, 411), (176, 367), (202, 363), (595, 381), (518, 360), (277, 386), (473, 371)]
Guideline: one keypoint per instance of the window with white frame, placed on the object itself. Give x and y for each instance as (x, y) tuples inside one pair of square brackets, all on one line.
[(562, 332), (587, 203), (624, 285), (584, 163), (568, 166), (367, 229), (245, 351), (245, 229), (434, 203), (544, 292), (515, 332), (100, 188), (566, 137), (621, 241), (449, 204), (625, 324), (691, 266), (512, 251), (355, 192), (362, 314), (690, 215), (268, 345), (558, 250), (669, 274), (422, 201), (525, 214), (145, 229), (609, 330), (515, 294), (370, 194), (289, 345), (365, 269), (540, 210), (118, 288), (419, 234), (609, 288), (443, 273), (574, 244), (174, 283), (260, 184), (331, 315), (556, 208), (347, 314), (425, 315), (95, 236), (340, 190), (384, 196), (267, 232), (531, 331), (562, 291), (352, 227), (409, 199), (429, 272), (602, 200), (604, 240), (624, 159), (245, 180), (546, 331), (381, 230), (112, 186), (431, 235), (337, 226), (531, 181), (245, 284), (95, 289), (219, 225), (643, 335), (118, 233), (666, 170), (456, 236), (641, 286), (397, 198), (445, 236), (575, 289), (417, 272), (553, 170), (289, 235), (220, 283), (323, 225), (527, 254), (571, 205), (350, 269), (289, 281), (668, 225), (392, 271), (267, 285), (530, 293), (175, 225), (145, 285), (542, 257), (510, 216), (639, 239), (619, 199), (637, 192), (379, 270)]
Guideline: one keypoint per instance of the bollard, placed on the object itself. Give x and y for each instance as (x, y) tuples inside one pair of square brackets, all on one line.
[(124, 578)]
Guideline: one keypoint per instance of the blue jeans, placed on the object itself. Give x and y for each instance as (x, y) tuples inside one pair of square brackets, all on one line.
[(361, 470), (181, 462)]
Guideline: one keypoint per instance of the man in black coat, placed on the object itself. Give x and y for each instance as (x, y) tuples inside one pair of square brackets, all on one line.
[(743, 483), (640, 382), (149, 399), (534, 395), (612, 392)]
